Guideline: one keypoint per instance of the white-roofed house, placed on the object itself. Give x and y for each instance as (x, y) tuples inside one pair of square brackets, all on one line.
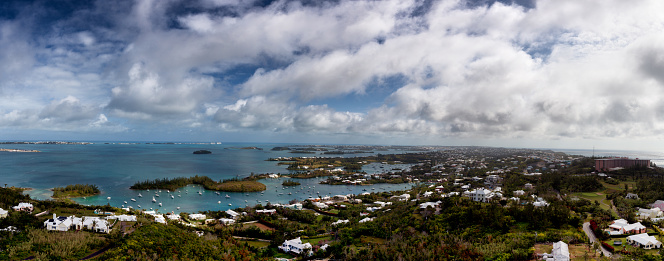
[(101, 226), (3, 213), (269, 211), (645, 213), (233, 214), (197, 216), (481, 195), (227, 221), (560, 251), (58, 223), (621, 226), (519, 193), (24, 207), (295, 246), (644, 241)]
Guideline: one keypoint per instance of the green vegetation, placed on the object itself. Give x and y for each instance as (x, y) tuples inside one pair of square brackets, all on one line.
[(160, 242), (229, 185), (77, 190), (45, 245), (290, 183)]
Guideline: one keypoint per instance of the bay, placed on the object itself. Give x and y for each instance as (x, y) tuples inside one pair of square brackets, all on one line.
[(114, 167)]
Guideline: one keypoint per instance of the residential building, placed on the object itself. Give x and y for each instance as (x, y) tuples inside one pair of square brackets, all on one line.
[(519, 193), (23, 207), (652, 213), (560, 252), (481, 195), (197, 216), (632, 196), (227, 221), (233, 214), (339, 222), (58, 223), (528, 186), (621, 226), (271, 211), (3, 213), (295, 246), (644, 241)]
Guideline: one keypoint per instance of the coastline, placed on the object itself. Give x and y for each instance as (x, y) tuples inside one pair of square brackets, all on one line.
[(18, 150)]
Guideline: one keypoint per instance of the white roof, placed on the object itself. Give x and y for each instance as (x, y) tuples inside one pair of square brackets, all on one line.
[(560, 251), (2, 211), (644, 239)]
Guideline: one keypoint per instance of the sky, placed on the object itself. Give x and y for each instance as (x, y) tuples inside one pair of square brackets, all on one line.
[(521, 73)]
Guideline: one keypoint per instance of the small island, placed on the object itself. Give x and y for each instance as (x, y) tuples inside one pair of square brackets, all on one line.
[(290, 183), (248, 184), (76, 191), (202, 152)]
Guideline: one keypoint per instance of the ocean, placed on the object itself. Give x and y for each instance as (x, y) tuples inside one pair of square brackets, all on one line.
[(114, 167)]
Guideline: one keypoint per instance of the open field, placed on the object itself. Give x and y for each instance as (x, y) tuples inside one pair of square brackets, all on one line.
[(314, 241), (257, 244), (599, 197), (258, 225)]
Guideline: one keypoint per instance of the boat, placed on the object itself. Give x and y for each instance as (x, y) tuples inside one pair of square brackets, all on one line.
[(218, 202), (133, 200), (227, 196), (160, 204), (179, 195), (154, 200), (139, 206), (156, 195), (230, 204), (245, 200), (291, 193), (125, 202), (139, 195), (178, 207), (172, 196)]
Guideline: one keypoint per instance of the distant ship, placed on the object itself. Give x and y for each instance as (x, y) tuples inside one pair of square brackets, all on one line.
[(202, 152)]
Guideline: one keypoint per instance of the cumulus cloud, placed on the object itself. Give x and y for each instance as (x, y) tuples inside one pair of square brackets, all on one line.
[(541, 69)]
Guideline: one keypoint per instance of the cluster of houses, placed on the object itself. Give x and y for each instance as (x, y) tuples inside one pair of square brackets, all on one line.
[(96, 224)]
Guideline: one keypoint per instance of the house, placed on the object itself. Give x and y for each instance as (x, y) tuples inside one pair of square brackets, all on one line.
[(540, 202), (493, 180), (645, 213), (173, 216), (366, 220), (159, 218), (430, 204), (101, 226), (621, 226), (440, 189), (123, 217), (233, 214), (271, 211), (528, 186), (58, 223), (644, 241), (296, 206), (89, 222), (631, 196), (427, 194), (318, 205), (227, 221), (481, 195), (658, 204), (3, 213), (197, 216), (560, 252), (519, 193), (339, 222), (295, 246), (23, 207)]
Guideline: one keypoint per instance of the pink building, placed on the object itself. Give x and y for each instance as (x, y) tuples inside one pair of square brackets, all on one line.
[(610, 163)]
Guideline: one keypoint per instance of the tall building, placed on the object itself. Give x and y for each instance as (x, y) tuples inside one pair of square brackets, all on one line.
[(610, 163)]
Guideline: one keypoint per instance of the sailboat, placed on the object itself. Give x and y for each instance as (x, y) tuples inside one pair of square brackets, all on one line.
[(139, 195), (153, 199)]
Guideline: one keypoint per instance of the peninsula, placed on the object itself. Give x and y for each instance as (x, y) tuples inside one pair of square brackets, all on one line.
[(229, 185), (75, 191)]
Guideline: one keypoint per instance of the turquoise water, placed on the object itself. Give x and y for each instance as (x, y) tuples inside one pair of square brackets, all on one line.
[(115, 167)]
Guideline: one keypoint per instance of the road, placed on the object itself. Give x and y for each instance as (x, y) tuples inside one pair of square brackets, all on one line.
[(591, 236)]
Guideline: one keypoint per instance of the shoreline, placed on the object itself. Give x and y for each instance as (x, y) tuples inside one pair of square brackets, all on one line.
[(17, 150)]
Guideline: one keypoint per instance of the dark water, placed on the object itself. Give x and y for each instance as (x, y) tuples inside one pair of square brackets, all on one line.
[(115, 167)]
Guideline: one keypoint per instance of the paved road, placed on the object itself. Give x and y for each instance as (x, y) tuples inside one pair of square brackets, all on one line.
[(593, 239)]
